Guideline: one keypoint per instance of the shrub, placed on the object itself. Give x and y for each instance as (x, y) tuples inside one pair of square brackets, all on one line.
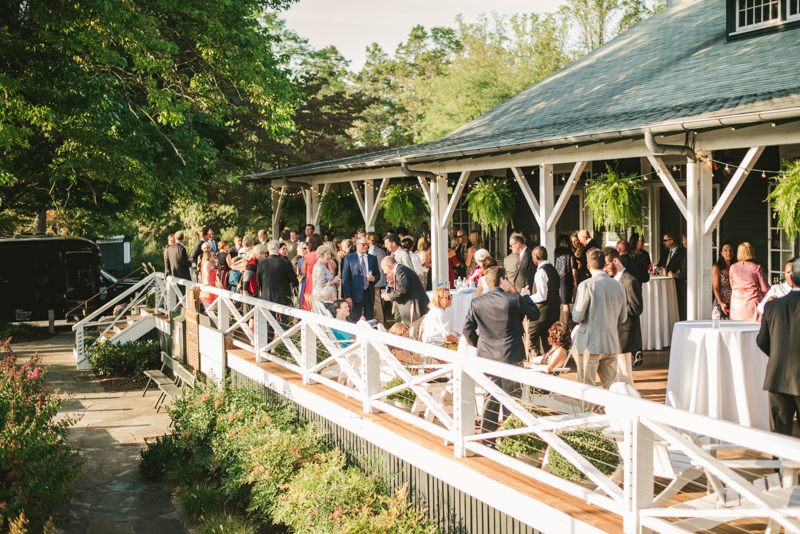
[(526, 444), (159, 457), (220, 522), (127, 359), (591, 444), (23, 332), (37, 463), (199, 499), (405, 396), (281, 350)]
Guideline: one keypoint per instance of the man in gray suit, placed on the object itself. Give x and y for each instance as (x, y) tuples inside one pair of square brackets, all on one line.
[(600, 305), (630, 331)]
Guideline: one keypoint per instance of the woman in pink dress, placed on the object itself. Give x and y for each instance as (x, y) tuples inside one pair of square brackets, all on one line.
[(747, 285), (314, 242)]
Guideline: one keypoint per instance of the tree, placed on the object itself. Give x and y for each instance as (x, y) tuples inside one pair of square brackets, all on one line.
[(111, 106)]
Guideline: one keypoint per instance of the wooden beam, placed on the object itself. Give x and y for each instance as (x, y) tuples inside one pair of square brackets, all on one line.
[(670, 184), (318, 205), (373, 216), (558, 209), (733, 187), (451, 207), (357, 194), (528, 194), (425, 189)]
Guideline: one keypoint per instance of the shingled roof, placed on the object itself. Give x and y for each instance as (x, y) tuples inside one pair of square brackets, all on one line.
[(672, 69)]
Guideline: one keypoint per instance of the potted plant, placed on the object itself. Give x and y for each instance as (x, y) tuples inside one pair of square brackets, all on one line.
[(616, 201), (491, 203), (592, 445), (339, 209), (402, 399), (403, 203), (785, 199), (526, 447)]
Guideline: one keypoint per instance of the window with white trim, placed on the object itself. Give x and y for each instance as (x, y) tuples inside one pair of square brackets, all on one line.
[(793, 9), (751, 14)]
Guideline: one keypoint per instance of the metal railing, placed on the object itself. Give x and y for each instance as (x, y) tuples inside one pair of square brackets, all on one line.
[(666, 469)]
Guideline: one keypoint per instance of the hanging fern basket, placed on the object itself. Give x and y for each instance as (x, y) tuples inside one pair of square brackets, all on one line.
[(616, 201), (339, 209), (785, 200), (491, 203), (403, 203)]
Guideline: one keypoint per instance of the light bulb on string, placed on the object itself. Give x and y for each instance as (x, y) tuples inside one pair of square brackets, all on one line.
[(674, 168), (763, 175), (727, 169)]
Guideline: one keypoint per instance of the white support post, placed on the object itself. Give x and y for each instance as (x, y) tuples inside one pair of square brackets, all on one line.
[(451, 207), (359, 200), (369, 204), (309, 208), (277, 208), (317, 207), (223, 314), (308, 350), (464, 409), (261, 334), (172, 298), (637, 458), (527, 192), (547, 237), (733, 187), (373, 215), (698, 254), (669, 184), (439, 237), (370, 374)]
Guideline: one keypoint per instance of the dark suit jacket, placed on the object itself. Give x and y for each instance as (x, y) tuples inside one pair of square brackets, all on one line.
[(636, 268), (180, 266), (677, 263), (499, 316), (779, 338), (525, 272), (353, 277), (275, 279), (407, 291), (199, 250), (630, 330)]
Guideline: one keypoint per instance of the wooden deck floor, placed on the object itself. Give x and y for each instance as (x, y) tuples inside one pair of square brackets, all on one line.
[(650, 379)]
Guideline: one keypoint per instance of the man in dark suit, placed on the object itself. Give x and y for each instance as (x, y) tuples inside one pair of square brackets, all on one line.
[(180, 266), (206, 237), (499, 317), (547, 298), (461, 254), (407, 292), (526, 270), (629, 330), (631, 265), (779, 339), (358, 280), (674, 262), (275, 277), (170, 242)]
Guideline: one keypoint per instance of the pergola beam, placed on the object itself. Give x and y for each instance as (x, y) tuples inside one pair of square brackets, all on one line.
[(373, 215), (359, 200), (451, 207), (577, 170), (733, 187), (528, 194), (425, 189), (670, 184), (277, 206)]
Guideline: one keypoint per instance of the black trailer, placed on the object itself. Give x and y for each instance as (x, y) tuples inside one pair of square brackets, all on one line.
[(41, 273)]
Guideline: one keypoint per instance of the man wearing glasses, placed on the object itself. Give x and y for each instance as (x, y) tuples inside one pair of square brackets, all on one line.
[(358, 280), (461, 254), (674, 262)]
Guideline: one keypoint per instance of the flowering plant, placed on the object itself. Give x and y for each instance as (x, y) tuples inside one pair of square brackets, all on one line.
[(37, 463)]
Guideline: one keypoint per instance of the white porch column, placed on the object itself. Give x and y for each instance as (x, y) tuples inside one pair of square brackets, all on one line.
[(699, 259), (276, 214), (369, 205), (439, 231), (547, 237)]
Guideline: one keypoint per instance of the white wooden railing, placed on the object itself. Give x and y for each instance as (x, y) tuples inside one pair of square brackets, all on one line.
[(678, 471)]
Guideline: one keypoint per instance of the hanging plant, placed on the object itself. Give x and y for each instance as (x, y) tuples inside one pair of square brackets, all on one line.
[(402, 203), (491, 203), (785, 199), (616, 200), (592, 445), (339, 210)]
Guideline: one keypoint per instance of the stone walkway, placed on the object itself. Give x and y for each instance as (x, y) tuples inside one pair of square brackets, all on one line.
[(114, 498)]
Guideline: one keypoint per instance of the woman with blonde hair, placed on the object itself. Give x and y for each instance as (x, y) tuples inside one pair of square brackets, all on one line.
[(477, 244), (436, 327), (326, 284), (208, 273), (748, 286), (247, 244)]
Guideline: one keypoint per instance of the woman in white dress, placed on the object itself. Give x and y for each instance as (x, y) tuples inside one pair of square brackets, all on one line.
[(325, 283), (436, 327)]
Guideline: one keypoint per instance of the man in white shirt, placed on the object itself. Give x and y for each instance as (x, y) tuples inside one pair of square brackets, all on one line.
[(392, 242), (779, 290), (262, 237), (546, 297)]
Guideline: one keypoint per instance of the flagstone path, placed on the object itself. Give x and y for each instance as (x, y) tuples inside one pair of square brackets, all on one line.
[(114, 498)]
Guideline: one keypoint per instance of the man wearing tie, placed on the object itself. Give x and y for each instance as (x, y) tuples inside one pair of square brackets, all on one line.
[(675, 265), (358, 281), (206, 237)]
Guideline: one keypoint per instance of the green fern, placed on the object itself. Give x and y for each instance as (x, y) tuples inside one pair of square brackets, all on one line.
[(785, 199), (339, 209), (403, 203), (491, 203), (616, 200)]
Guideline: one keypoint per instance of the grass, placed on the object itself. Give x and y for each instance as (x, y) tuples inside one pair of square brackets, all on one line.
[(219, 522), (198, 500), (22, 332)]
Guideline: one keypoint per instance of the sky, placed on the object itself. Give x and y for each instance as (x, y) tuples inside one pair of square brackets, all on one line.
[(352, 25)]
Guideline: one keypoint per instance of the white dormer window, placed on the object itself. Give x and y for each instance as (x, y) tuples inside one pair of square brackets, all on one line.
[(752, 14)]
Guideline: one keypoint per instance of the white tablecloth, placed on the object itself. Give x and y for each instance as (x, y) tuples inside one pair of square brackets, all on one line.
[(459, 309), (660, 312), (719, 373)]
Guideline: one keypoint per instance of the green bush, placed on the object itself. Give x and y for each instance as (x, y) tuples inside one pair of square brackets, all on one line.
[(590, 443), (281, 350), (526, 444), (219, 522), (37, 463), (127, 359), (405, 396), (159, 457), (199, 499), (22, 332)]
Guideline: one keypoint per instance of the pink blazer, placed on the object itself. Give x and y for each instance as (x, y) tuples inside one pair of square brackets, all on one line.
[(748, 287)]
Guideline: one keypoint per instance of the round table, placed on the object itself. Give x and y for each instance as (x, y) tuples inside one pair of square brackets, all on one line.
[(719, 373), (457, 312), (659, 313)]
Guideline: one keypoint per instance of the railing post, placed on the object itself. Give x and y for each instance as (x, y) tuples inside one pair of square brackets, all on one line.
[(172, 298), (261, 333), (308, 350), (223, 313), (81, 361), (370, 374), (637, 458), (159, 292), (464, 409)]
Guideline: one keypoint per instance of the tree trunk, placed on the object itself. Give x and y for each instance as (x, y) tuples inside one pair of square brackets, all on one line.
[(40, 225)]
